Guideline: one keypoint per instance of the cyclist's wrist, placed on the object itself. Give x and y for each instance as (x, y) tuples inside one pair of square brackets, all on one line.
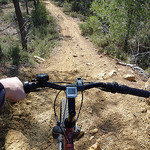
[(4, 83), (14, 90), (2, 94)]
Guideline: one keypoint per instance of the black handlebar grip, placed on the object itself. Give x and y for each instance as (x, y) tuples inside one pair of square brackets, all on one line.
[(128, 90), (139, 92), (123, 89), (29, 86)]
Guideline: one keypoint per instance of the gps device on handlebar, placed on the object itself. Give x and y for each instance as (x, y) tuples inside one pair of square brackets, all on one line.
[(71, 92)]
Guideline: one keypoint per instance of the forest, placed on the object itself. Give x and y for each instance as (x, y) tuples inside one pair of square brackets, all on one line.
[(119, 28)]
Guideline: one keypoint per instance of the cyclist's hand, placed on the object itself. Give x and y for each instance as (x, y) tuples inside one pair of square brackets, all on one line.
[(14, 90)]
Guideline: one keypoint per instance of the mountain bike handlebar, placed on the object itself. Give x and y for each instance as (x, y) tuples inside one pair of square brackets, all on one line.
[(108, 87), (118, 88)]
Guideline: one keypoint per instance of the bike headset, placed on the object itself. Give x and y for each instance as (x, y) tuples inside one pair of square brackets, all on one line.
[(79, 84)]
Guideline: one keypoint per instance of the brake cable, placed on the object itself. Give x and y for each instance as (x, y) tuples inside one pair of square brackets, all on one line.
[(58, 122), (56, 117), (80, 107)]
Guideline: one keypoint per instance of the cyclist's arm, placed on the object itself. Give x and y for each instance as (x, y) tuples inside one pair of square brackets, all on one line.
[(12, 90)]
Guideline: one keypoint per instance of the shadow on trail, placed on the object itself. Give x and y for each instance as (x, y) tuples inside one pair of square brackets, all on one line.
[(5, 119), (32, 117), (9, 70), (113, 123)]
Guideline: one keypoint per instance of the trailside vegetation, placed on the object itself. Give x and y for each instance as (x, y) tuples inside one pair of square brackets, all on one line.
[(44, 34), (118, 27), (121, 28), (76, 8), (41, 34)]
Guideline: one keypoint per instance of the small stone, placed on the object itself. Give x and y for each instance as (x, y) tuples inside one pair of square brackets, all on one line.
[(112, 73), (147, 88), (120, 70), (130, 77), (96, 146), (101, 75), (104, 76), (16, 117), (94, 131), (144, 111), (38, 59), (88, 64), (75, 55), (91, 138)]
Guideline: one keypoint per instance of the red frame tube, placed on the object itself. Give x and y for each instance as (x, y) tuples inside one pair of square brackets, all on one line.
[(70, 136)]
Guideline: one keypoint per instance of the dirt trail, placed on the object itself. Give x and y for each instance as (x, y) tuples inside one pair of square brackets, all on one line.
[(76, 53), (122, 121)]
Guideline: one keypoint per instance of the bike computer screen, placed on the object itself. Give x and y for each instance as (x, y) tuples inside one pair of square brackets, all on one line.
[(71, 92)]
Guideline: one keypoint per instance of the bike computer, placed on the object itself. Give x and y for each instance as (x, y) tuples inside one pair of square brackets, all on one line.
[(71, 92)]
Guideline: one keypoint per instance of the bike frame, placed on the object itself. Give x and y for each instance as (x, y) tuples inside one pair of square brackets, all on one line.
[(70, 138), (69, 125)]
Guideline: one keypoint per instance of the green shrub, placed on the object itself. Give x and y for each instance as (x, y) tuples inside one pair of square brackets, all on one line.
[(99, 40), (75, 6), (67, 7), (74, 14), (1, 53), (148, 70), (43, 39), (115, 51), (41, 32), (4, 1), (39, 15), (91, 26), (144, 60), (14, 54), (85, 29), (25, 58)]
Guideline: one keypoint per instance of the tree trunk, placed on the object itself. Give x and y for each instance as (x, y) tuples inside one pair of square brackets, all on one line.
[(127, 37), (21, 24), (35, 3), (27, 7), (130, 11)]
